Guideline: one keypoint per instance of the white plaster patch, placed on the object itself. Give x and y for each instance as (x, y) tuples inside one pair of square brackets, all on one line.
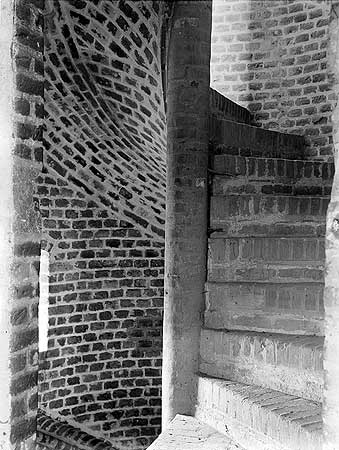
[(43, 301), (200, 183)]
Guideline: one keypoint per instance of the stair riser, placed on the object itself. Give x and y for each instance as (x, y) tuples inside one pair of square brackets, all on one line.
[(226, 186), (265, 272), (303, 324), (267, 209), (241, 139), (248, 228), (223, 108), (308, 172), (266, 259), (279, 308), (278, 250), (256, 426), (292, 366)]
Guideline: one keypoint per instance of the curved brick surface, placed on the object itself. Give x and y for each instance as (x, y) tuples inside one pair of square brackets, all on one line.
[(102, 195), (104, 109), (53, 434), (270, 56)]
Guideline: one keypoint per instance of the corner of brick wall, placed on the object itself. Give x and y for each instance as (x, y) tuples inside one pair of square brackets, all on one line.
[(27, 158), (271, 57)]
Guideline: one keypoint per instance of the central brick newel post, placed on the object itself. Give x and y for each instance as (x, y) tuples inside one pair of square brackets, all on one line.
[(188, 81)]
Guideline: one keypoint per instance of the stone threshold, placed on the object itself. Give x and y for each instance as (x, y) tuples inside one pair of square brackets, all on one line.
[(188, 433)]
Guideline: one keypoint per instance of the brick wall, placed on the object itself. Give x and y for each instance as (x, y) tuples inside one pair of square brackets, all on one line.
[(28, 68), (102, 194), (271, 57)]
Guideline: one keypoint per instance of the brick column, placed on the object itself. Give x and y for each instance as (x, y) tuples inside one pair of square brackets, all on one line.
[(186, 216), (331, 300)]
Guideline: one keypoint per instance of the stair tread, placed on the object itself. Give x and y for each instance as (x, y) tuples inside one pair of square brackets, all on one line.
[(275, 401), (188, 433), (269, 415)]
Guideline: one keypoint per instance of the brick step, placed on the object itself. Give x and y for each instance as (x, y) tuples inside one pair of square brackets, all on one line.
[(259, 418), (273, 169), (252, 228), (305, 187), (287, 363), (270, 209), (229, 251), (258, 271), (223, 108), (233, 138), (288, 308), (188, 433)]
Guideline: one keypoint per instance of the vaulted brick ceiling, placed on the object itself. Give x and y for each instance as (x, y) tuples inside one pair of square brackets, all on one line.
[(104, 105)]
